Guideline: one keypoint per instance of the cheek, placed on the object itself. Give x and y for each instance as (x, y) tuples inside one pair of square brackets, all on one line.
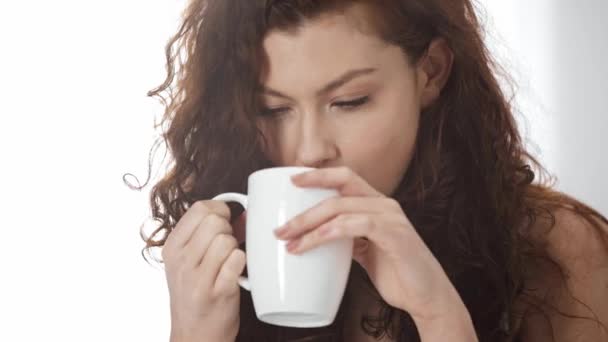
[(387, 136), (391, 146), (384, 153)]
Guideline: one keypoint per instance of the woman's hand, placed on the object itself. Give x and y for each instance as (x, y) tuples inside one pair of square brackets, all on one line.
[(202, 265), (401, 267)]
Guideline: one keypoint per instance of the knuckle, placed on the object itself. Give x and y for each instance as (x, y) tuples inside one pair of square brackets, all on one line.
[(213, 219), (230, 241), (230, 292), (211, 206), (346, 172), (343, 219), (200, 206), (320, 236), (220, 207), (393, 203), (222, 292), (241, 257), (224, 241), (368, 223), (334, 203), (341, 222)]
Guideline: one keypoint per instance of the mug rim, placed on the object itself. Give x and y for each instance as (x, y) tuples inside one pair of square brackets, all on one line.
[(270, 170)]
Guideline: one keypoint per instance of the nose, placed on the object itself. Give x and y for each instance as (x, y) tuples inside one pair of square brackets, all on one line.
[(316, 143)]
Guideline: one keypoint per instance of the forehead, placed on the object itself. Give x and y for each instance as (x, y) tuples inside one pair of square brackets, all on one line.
[(328, 42)]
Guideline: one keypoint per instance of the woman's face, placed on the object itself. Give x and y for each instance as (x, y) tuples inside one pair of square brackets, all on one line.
[(338, 97)]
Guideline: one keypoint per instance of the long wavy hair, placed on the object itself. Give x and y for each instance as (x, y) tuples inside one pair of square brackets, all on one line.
[(472, 191)]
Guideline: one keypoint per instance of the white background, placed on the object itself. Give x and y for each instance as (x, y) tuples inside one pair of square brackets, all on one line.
[(75, 117)]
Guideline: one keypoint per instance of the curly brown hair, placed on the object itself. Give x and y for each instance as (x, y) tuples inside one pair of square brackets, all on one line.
[(468, 154)]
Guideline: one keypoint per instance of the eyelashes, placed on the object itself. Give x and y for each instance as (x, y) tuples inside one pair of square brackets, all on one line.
[(353, 103), (270, 112), (346, 105)]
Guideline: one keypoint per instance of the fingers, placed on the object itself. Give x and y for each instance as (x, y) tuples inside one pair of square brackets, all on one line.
[(378, 229), (331, 208), (343, 179), (226, 282), (206, 231), (221, 247), (186, 226), (194, 254)]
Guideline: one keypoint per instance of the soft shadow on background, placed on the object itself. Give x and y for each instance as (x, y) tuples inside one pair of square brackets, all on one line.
[(75, 118)]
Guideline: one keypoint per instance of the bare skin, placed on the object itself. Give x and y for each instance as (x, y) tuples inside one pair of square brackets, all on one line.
[(370, 119)]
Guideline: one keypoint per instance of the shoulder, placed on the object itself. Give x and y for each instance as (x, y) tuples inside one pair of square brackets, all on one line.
[(578, 245)]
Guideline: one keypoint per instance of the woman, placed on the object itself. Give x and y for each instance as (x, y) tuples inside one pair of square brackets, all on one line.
[(398, 106)]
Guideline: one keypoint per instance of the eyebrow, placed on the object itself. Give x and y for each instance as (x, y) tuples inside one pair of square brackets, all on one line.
[(338, 82)]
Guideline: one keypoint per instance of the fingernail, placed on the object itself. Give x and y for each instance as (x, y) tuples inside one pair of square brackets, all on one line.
[(297, 177), (292, 246), (280, 232)]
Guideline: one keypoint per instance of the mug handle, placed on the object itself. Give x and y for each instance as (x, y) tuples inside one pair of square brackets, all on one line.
[(242, 200)]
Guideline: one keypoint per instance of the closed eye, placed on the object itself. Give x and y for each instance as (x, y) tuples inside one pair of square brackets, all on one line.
[(272, 112), (353, 103)]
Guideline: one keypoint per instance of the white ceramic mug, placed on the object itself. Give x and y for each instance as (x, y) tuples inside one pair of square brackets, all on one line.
[(289, 290)]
